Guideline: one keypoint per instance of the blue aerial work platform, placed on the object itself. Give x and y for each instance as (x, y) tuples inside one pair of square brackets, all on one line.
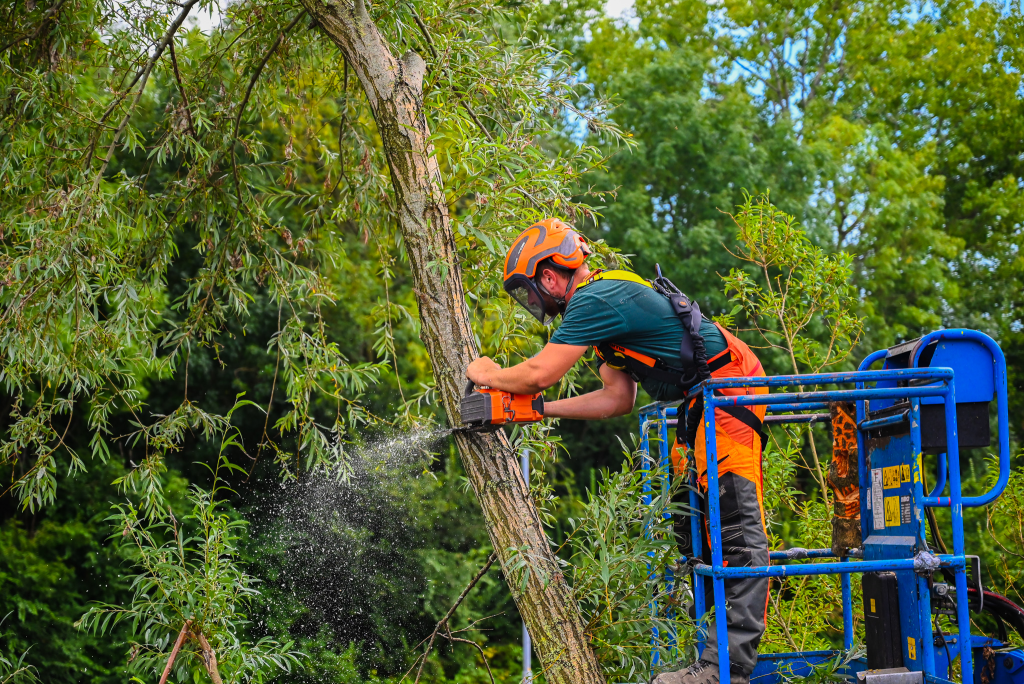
[(931, 398)]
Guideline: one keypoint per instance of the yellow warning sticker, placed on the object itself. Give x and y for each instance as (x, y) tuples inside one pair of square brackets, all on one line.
[(892, 511), (891, 477), (905, 472), (911, 648), (873, 610)]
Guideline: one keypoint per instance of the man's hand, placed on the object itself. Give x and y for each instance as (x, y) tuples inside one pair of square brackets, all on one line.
[(482, 370)]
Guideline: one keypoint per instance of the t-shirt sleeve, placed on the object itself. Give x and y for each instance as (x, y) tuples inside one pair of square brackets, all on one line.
[(588, 322)]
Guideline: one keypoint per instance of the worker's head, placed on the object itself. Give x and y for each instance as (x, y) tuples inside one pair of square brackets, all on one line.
[(541, 265)]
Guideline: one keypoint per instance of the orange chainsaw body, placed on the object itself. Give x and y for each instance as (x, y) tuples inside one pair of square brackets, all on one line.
[(485, 409)]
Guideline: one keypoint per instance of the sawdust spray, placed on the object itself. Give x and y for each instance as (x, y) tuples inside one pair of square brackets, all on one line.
[(336, 553)]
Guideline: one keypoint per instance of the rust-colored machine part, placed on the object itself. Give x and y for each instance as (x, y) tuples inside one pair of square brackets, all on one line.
[(485, 409), (842, 479)]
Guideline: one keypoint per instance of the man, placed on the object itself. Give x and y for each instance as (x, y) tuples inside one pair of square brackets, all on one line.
[(639, 337)]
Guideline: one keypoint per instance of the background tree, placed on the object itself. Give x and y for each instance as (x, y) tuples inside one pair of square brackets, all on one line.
[(802, 306), (185, 612), (801, 303), (864, 120)]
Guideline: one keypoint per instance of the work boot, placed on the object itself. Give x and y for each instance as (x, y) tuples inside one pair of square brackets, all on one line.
[(701, 672)]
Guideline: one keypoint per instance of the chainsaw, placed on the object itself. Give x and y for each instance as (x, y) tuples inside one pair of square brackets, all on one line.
[(485, 409)]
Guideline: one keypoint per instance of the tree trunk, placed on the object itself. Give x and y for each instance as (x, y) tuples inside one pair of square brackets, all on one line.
[(394, 90)]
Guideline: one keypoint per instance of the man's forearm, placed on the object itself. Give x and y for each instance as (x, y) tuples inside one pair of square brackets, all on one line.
[(531, 376), (596, 405), (520, 379)]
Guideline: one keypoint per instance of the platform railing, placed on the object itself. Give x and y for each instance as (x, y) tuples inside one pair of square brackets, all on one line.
[(662, 480), (934, 500), (939, 384)]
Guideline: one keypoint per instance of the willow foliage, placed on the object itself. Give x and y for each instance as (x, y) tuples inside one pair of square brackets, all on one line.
[(133, 143)]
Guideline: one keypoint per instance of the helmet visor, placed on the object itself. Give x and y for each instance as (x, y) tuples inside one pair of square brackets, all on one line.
[(529, 297)]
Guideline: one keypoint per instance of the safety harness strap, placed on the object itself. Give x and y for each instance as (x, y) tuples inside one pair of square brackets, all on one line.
[(720, 361), (740, 413), (750, 419), (627, 276), (640, 366)]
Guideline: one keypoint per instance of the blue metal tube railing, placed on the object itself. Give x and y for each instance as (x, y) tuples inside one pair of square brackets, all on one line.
[(825, 379), (894, 419), (802, 406), (847, 592), (941, 468), (715, 530), (871, 358), (833, 568), (673, 411), (924, 612), (800, 554), (645, 468), (697, 547), (963, 616), (665, 464), (939, 383), (718, 572), (833, 395), (1002, 415), (797, 418)]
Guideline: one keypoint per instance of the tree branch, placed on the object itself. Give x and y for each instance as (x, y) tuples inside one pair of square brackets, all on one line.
[(209, 659), (141, 78), (174, 651), (442, 626), (477, 647), (423, 29), (181, 89), (39, 29), (248, 93), (469, 587), (433, 53)]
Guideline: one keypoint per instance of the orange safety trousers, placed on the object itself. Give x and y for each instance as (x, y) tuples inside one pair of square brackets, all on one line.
[(741, 513)]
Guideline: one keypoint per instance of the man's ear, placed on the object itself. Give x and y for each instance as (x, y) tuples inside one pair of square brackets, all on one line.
[(547, 278)]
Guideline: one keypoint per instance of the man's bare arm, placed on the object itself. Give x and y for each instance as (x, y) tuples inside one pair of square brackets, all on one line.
[(531, 376), (616, 398)]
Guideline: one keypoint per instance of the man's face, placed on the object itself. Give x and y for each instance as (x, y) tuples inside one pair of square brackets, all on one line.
[(553, 283)]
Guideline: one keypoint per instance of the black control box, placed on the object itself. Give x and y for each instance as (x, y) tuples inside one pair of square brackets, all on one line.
[(882, 620)]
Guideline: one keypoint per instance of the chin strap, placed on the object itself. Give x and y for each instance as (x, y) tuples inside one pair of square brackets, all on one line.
[(565, 298), (560, 302)]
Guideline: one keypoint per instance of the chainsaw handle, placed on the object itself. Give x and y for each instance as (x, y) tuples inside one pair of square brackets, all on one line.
[(469, 387)]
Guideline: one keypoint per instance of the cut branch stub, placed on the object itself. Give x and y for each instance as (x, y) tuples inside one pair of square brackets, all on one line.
[(414, 70)]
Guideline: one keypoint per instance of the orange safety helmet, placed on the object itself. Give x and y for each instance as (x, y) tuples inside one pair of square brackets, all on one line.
[(549, 238)]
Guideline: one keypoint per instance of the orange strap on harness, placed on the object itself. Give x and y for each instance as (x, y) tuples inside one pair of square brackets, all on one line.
[(640, 366)]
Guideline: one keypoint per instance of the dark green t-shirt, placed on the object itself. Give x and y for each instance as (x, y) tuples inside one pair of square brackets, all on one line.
[(636, 317)]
